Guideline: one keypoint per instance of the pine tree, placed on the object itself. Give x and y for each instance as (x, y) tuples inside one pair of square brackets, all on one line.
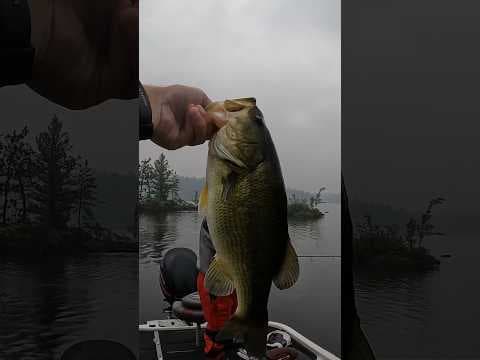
[(54, 193), (145, 177), (86, 194), (161, 178), (16, 172), (174, 185)]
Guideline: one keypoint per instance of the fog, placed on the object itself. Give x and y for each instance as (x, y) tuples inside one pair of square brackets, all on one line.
[(285, 54)]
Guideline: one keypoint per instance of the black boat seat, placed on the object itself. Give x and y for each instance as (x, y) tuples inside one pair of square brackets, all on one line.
[(189, 309), (178, 274), (192, 301)]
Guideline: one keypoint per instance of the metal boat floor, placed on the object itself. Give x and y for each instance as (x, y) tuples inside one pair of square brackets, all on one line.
[(180, 345)]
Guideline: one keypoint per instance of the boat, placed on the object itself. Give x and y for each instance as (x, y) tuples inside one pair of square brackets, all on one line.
[(179, 335)]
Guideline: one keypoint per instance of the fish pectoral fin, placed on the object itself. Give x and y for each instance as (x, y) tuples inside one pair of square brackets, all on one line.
[(203, 201), (289, 271), (217, 280)]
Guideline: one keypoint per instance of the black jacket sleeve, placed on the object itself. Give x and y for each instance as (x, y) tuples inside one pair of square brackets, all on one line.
[(145, 115), (16, 52)]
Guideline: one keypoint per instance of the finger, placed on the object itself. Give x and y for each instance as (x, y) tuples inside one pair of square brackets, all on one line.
[(205, 100), (202, 131), (219, 119), (209, 124), (211, 127), (196, 122)]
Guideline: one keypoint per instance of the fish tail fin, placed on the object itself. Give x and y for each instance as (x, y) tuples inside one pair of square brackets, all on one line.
[(252, 333)]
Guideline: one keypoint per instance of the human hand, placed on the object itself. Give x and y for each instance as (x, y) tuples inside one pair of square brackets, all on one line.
[(85, 51), (179, 117)]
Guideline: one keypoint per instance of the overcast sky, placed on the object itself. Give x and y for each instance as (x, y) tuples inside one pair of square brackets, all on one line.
[(284, 53), (90, 130)]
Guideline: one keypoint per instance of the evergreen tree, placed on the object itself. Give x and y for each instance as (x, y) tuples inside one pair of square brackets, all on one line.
[(145, 177), (16, 172), (158, 182), (5, 175), (174, 186), (161, 178), (54, 193), (410, 233), (86, 194)]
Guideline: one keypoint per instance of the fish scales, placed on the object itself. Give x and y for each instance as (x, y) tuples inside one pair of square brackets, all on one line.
[(245, 204)]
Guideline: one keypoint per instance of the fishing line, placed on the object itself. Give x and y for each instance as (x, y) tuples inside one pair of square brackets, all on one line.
[(318, 256)]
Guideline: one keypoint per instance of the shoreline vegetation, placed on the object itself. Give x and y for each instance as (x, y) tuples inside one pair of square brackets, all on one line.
[(393, 248), (47, 198), (303, 209), (159, 188)]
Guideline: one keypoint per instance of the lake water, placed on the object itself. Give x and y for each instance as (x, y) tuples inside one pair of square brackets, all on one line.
[(312, 306), (426, 316), (47, 306)]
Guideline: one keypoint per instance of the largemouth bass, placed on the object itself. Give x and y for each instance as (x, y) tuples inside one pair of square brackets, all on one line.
[(245, 204)]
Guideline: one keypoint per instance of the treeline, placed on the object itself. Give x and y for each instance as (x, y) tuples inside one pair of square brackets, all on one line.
[(44, 183), (394, 245), (158, 186)]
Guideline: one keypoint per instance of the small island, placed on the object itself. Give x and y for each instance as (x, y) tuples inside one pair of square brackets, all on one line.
[(388, 248), (48, 197), (303, 209), (158, 188)]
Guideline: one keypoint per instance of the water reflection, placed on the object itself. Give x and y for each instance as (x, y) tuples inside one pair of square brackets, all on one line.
[(391, 298), (425, 315), (160, 232), (50, 305)]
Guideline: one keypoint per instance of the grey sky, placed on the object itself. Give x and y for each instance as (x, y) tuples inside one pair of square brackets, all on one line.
[(284, 53), (90, 130)]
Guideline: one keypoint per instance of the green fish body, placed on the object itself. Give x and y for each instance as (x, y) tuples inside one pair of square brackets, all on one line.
[(245, 204)]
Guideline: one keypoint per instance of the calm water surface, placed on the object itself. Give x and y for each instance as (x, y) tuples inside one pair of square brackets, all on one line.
[(47, 306), (430, 315), (312, 306)]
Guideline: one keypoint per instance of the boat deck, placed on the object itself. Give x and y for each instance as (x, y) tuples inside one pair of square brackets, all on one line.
[(181, 345), (176, 345)]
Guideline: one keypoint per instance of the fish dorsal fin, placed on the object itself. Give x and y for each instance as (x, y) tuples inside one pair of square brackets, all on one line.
[(203, 201), (289, 271), (217, 280)]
